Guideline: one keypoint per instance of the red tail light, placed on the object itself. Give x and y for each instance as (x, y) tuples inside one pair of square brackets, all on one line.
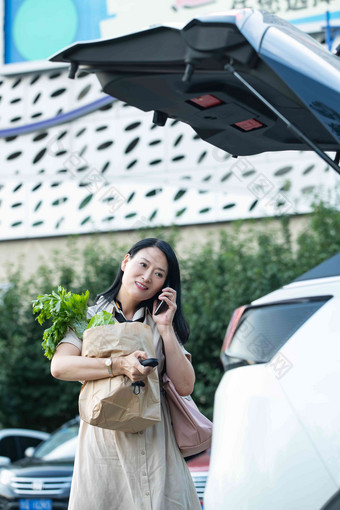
[(232, 326), (233, 323)]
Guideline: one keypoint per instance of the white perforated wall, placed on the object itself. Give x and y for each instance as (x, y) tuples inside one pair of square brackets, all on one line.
[(112, 169)]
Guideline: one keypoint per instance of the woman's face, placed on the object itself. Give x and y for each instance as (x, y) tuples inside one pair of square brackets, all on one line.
[(144, 274)]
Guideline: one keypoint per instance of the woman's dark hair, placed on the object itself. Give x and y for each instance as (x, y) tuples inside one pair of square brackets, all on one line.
[(173, 280)]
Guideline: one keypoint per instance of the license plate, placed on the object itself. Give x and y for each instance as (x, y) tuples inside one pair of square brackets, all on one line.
[(35, 504)]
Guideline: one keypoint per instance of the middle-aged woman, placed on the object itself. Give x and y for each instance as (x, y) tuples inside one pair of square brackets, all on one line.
[(142, 471)]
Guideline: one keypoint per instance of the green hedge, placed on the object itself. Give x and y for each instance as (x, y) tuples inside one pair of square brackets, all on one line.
[(218, 276)]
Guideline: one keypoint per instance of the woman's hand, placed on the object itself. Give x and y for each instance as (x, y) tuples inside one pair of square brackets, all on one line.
[(131, 366), (165, 318)]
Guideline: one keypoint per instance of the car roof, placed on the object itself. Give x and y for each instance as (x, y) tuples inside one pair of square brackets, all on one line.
[(321, 280), (23, 432), (246, 81), (328, 268)]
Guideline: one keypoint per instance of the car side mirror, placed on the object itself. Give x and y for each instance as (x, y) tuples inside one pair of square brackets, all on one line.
[(29, 451), (4, 461)]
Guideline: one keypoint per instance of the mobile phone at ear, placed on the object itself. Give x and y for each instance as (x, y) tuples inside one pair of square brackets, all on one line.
[(162, 306)]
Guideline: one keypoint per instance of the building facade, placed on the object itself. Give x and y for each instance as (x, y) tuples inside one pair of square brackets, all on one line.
[(74, 161)]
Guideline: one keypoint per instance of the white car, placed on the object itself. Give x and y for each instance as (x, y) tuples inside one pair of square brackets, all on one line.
[(276, 437)]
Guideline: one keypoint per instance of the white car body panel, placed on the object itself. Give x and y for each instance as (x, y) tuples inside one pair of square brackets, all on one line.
[(324, 287), (276, 440), (312, 385)]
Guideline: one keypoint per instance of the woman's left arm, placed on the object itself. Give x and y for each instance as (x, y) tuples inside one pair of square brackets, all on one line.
[(178, 367)]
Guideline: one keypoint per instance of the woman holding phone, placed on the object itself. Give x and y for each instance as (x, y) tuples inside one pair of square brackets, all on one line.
[(141, 471)]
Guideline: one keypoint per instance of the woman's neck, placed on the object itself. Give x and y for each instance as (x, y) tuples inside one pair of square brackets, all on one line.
[(128, 307)]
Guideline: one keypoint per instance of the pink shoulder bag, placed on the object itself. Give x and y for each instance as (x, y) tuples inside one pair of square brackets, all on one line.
[(193, 431)]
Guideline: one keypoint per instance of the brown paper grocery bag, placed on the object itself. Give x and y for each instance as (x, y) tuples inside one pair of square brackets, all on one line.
[(111, 403)]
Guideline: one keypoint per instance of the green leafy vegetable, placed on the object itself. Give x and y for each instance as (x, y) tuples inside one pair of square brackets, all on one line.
[(66, 310), (101, 319)]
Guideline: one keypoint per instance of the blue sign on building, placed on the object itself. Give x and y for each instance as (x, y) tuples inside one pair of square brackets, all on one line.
[(35, 29)]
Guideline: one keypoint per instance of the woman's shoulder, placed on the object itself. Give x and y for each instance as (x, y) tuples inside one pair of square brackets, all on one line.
[(100, 305)]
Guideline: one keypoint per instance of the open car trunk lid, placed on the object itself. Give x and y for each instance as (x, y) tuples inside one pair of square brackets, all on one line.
[(246, 81)]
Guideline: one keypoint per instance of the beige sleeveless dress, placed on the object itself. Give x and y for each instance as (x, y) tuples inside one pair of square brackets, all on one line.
[(115, 470)]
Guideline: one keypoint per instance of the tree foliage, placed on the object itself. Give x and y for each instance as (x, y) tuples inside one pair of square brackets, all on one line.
[(217, 276)]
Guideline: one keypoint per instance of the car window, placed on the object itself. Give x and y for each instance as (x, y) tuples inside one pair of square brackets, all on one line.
[(61, 444), (8, 448), (263, 330), (25, 442)]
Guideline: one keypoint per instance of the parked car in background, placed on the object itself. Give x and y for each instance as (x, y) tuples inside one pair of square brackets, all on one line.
[(199, 467), (42, 481), (276, 441), (13, 443)]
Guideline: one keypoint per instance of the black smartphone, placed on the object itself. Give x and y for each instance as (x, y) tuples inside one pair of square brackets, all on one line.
[(149, 362), (162, 306)]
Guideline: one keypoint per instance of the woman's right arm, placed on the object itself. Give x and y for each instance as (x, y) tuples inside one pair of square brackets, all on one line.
[(68, 365)]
